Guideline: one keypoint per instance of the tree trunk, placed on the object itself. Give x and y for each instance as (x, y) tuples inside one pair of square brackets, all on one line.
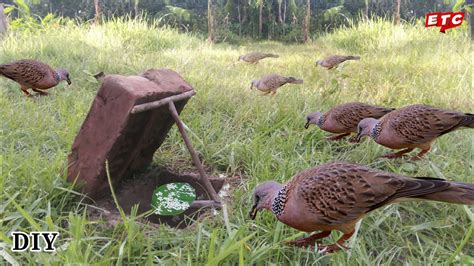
[(280, 18), (307, 21), (3, 20), (240, 19), (366, 10), (284, 12), (98, 12), (397, 12), (135, 7), (471, 18), (210, 22), (260, 19)]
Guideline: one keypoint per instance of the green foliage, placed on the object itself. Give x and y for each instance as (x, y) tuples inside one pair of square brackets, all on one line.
[(238, 134)]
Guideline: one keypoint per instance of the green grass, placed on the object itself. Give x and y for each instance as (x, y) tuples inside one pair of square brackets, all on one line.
[(238, 133)]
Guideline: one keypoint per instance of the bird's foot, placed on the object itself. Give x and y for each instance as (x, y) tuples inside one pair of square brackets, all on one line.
[(397, 154), (327, 249), (308, 241), (338, 137), (415, 158), (42, 93), (353, 140), (391, 155), (303, 242)]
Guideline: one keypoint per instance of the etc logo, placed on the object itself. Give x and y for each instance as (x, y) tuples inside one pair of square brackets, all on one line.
[(22, 241), (446, 20)]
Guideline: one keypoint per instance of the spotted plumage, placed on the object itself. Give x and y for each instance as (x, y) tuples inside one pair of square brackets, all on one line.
[(271, 83), (334, 60), (35, 75), (335, 196), (343, 119), (414, 126), (254, 57), (374, 134), (278, 205)]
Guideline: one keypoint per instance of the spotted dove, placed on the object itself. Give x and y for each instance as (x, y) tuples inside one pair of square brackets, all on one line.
[(334, 60), (414, 126), (335, 196), (254, 57), (343, 119), (270, 84), (35, 75)]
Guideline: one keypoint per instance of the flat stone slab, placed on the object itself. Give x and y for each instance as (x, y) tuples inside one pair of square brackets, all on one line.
[(111, 133)]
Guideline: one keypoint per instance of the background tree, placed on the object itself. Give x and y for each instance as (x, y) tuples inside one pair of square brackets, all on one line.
[(210, 22), (3, 20), (397, 11), (98, 11), (307, 21)]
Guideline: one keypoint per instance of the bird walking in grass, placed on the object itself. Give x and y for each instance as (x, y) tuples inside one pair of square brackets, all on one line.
[(35, 75), (414, 126), (334, 60), (254, 57), (269, 84), (335, 196), (343, 119)]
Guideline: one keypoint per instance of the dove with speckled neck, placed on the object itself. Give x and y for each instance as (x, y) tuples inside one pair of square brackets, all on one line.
[(33, 74), (335, 196), (269, 84), (344, 118), (414, 126)]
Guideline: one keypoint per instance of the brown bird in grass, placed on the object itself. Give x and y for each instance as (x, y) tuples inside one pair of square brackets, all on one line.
[(270, 84), (335, 196), (343, 119), (334, 60), (254, 57), (35, 75), (414, 126)]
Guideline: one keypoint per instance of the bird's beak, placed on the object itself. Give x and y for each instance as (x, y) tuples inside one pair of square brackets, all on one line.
[(306, 125), (251, 85), (68, 80), (253, 212), (358, 137)]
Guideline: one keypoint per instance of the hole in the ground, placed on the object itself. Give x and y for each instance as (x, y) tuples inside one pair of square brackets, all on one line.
[(139, 192)]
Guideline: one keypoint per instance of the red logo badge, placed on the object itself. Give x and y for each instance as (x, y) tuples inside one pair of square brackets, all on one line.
[(445, 20)]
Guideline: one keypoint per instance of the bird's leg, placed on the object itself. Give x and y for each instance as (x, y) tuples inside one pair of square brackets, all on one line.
[(397, 154), (338, 137), (25, 91), (308, 241), (419, 155), (337, 246), (42, 93), (353, 139)]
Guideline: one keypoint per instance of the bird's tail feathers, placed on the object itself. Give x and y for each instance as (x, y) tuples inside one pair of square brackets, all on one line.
[(294, 80), (272, 55), (99, 76), (457, 193), (353, 57)]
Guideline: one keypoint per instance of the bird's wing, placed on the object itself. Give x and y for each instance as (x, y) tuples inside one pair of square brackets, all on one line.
[(27, 72), (335, 60), (274, 81), (340, 193), (349, 115), (420, 123)]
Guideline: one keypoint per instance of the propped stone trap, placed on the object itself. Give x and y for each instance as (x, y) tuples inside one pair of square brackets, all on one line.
[(128, 121)]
